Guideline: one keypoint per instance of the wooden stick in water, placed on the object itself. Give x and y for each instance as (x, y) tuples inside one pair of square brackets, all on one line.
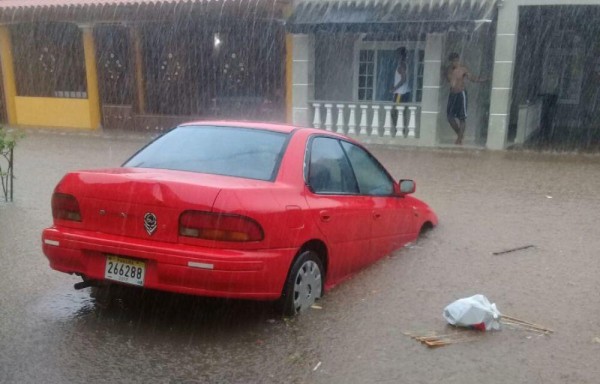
[(525, 326), (512, 250), (441, 343), (517, 320)]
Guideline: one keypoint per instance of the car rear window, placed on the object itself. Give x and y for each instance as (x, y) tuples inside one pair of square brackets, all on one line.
[(230, 151)]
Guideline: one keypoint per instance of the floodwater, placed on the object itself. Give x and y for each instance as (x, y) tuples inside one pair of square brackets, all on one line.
[(487, 202)]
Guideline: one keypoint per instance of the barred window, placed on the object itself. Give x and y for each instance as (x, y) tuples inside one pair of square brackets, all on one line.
[(49, 60)]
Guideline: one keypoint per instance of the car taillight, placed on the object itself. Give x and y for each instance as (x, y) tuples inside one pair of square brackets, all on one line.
[(219, 226), (65, 207)]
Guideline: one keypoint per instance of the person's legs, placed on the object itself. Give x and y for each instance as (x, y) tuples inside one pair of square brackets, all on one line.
[(395, 110), (457, 114), (461, 131), (452, 115), (462, 118), (454, 124)]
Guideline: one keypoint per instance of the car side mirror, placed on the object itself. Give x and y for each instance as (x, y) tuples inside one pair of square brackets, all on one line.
[(407, 187)]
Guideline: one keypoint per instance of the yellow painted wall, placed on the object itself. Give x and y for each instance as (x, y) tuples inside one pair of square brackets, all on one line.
[(53, 112), (8, 74)]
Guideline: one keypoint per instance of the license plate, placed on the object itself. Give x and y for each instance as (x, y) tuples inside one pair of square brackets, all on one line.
[(125, 270)]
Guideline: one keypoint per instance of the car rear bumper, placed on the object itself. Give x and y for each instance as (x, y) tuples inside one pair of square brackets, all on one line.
[(246, 274)]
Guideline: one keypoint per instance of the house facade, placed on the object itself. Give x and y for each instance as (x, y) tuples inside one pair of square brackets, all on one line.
[(149, 64), (140, 64), (554, 47), (542, 87)]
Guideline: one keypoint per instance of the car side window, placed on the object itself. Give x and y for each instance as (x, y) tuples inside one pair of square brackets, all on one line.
[(329, 171), (371, 177)]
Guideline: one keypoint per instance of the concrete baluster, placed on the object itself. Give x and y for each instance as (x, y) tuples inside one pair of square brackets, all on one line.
[(400, 120), (412, 122), (375, 121), (364, 123), (340, 124), (387, 124), (328, 117), (317, 117), (352, 119)]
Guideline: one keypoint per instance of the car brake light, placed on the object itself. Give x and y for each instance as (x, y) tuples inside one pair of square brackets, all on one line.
[(219, 226), (65, 207)]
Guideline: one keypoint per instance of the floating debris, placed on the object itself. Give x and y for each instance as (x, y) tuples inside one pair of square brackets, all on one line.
[(475, 312), (515, 322), (433, 340), (513, 250)]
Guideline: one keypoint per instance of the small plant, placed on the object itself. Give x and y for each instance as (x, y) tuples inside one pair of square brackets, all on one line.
[(8, 140)]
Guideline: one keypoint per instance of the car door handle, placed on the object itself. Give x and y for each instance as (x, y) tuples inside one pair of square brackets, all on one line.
[(325, 216)]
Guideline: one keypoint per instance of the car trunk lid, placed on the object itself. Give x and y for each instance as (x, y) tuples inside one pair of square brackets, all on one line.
[(141, 203)]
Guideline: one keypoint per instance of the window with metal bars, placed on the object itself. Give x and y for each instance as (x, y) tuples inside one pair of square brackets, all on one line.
[(375, 74)]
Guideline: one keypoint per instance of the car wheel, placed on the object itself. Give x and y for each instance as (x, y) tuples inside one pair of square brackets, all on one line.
[(304, 284)]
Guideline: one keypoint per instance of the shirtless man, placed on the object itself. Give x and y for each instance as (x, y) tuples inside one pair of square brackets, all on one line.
[(457, 99)]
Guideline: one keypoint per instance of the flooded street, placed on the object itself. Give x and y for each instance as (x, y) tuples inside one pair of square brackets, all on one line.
[(486, 202)]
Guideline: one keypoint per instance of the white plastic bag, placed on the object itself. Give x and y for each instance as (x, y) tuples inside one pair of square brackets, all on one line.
[(475, 311)]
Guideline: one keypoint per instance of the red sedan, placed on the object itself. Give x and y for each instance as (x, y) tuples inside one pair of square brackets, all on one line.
[(238, 210)]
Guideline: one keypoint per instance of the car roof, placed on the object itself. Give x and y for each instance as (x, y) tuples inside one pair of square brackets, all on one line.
[(276, 127), (285, 128)]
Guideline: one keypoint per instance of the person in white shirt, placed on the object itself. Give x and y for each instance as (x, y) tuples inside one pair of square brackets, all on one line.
[(401, 87)]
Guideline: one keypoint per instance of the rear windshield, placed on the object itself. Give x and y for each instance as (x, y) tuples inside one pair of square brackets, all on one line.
[(230, 151)]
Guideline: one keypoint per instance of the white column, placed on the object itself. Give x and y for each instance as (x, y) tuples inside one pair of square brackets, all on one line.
[(432, 105), (317, 116), (412, 122), (364, 123), (375, 121), (352, 119), (328, 118), (303, 83), (504, 58), (387, 124), (340, 124)]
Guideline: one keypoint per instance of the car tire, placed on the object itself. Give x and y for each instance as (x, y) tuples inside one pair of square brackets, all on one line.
[(304, 284)]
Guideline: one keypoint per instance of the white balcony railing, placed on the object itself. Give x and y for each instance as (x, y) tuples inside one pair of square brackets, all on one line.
[(384, 120)]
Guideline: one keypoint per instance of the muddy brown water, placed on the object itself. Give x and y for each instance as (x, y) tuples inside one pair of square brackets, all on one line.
[(487, 202)]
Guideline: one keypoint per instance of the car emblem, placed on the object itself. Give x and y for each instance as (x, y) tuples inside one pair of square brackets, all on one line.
[(150, 222)]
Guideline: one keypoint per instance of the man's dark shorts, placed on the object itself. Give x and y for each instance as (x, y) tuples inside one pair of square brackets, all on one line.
[(457, 105), (403, 98)]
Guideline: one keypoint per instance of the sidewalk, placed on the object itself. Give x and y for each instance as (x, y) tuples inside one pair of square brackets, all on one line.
[(100, 133)]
